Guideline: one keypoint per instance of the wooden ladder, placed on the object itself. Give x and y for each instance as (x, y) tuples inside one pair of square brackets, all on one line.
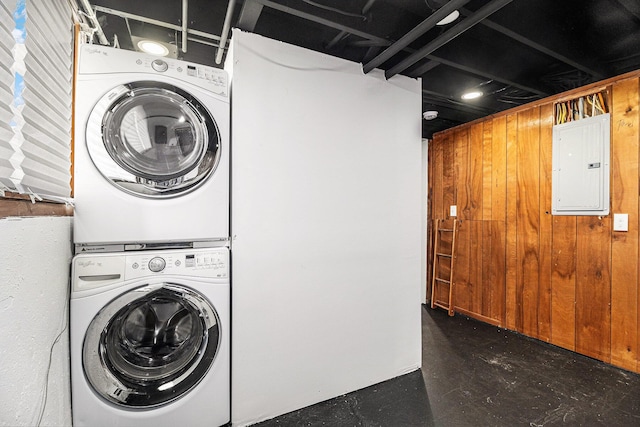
[(444, 250)]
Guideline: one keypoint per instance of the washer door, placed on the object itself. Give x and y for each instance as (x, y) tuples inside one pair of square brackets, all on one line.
[(152, 140), (150, 345)]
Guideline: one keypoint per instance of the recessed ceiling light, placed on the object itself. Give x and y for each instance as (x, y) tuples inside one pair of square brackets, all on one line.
[(449, 18), (472, 94), (153, 48)]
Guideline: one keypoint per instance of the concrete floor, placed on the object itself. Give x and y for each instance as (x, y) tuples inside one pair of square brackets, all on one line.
[(474, 374)]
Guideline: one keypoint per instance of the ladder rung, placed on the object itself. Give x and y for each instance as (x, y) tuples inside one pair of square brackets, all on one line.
[(441, 305), (443, 280), (449, 230), (444, 255)]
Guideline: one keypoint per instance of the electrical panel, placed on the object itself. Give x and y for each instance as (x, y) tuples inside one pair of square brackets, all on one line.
[(581, 151)]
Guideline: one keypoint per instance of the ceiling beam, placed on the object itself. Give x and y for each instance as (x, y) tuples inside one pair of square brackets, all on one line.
[(126, 15), (528, 42), (412, 35), (249, 15), (343, 33), (424, 68), (436, 97), (486, 75), (631, 6), (434, 61), (447, 36), (319, 20)]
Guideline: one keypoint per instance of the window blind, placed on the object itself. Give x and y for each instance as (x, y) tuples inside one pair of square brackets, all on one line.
[(41, 99), (7, 24)]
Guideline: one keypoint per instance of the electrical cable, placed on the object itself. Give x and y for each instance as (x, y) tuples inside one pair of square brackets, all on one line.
[(65, 325)]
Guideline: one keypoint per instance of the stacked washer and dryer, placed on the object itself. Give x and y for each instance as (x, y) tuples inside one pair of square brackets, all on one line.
[(150, 298)]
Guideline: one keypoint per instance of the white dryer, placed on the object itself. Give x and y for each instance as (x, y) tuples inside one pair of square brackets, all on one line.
[(150, 339), (151, 154)]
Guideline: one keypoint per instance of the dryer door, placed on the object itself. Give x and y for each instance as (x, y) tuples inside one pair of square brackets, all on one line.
[(150, 345), (152, 139)]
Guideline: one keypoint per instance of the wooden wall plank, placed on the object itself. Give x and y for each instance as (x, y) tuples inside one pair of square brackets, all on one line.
[(461, 288), (449, 187), (544, 290), (624, 245), (528, 222), (498, 217), (593, 287), (511, 225), (499, 169), (462, 173), (437, 163), (497, 276), (473, 210), (487, 262), (487, 170), (476, 247), (563, 282)]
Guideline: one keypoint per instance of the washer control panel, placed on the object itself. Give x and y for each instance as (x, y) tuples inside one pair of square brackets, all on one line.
[(92, 271), (212, 262)]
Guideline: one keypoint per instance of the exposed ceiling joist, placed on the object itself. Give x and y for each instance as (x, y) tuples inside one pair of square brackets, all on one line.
[(249, 15), (436, 96), (320, 20), (426, 67), (486, 75), (530, 43), (126, 15), (447, 36), (632, 6), (344, 33), (412, 35)]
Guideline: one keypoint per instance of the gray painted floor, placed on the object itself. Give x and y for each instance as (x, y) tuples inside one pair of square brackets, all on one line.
[(474, 374)]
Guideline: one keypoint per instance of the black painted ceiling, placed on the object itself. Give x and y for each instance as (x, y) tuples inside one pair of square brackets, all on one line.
[(515, 51)]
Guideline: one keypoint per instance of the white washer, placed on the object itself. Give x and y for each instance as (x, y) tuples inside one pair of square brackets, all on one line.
[(151, 155), (150, 339)]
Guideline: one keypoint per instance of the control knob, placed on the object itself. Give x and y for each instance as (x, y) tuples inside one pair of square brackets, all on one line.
[(157, 264), (159, 65)]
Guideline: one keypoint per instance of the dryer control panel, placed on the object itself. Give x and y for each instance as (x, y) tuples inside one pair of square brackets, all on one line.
[(97, 59)]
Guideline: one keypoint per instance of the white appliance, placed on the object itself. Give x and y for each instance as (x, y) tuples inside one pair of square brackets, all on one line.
[(150, 339), (151, 155)]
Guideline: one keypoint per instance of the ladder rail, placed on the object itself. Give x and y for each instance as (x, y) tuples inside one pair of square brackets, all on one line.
[(447, 305)]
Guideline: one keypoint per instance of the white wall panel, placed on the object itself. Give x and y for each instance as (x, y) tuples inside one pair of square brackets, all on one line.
[(34, 355), (326, 226)]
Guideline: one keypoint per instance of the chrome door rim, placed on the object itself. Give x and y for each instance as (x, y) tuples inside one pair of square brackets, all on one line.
[(128, 170), (115, 386)]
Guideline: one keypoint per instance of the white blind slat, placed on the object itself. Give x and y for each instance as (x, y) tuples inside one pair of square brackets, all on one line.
[(36, 133), (36, 152), (6, 95)]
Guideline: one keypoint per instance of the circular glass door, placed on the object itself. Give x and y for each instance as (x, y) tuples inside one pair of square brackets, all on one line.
[(151, 345), (152, 139)]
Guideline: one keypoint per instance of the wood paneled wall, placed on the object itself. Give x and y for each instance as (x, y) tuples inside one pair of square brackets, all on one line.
[(568, 280)]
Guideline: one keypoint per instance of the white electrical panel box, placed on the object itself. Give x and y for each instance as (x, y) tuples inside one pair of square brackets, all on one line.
[(580, 181)]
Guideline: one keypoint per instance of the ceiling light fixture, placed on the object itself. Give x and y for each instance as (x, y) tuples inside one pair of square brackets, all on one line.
[(430, 115), (153, 48), (449, 18), (472, 95)]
